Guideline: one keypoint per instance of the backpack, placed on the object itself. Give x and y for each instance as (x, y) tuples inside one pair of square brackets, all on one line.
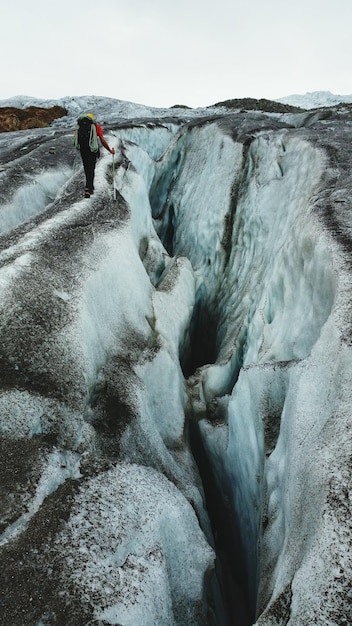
[(86, 135)]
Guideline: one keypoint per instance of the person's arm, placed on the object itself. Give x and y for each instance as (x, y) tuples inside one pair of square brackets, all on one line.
[(106, 146), (103, 140)]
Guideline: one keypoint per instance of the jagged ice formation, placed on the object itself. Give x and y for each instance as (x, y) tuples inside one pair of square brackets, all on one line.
[(204, 314)]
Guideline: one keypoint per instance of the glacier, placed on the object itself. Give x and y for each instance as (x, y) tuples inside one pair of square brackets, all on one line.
[(175, 400)]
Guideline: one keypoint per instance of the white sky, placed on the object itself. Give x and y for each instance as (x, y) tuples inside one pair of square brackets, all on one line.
[(165, 52)]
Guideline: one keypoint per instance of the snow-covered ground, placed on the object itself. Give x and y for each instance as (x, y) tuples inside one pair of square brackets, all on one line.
[(214, 293), (314, 99), (111, 109), (108, 110)]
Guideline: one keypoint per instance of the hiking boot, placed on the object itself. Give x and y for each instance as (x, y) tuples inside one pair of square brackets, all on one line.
[(87, 194)]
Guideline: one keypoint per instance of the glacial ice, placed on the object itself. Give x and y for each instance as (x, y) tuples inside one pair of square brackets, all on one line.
[(213, 292)]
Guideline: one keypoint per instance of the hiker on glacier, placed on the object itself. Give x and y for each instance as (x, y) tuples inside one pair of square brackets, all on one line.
[(86, 138)]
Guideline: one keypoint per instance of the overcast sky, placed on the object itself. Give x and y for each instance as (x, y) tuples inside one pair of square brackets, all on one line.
[(165, 52)]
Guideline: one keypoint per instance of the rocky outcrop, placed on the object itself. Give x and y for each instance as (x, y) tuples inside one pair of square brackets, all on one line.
[(252, 104), (12, 118)]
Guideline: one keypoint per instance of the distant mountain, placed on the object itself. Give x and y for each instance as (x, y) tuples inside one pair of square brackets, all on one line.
[(315, 99)]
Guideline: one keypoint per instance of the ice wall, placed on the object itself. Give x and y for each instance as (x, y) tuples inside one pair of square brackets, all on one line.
[(272, 288)]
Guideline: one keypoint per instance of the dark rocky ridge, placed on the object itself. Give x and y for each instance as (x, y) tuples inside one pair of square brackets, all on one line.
[(252, 104)]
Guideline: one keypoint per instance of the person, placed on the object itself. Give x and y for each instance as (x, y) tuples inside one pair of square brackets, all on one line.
[(86, 141)]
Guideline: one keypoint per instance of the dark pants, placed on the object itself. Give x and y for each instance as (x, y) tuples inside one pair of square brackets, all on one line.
[(89, 160)]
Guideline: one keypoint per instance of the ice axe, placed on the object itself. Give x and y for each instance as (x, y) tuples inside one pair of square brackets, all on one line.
[(113, 177)]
